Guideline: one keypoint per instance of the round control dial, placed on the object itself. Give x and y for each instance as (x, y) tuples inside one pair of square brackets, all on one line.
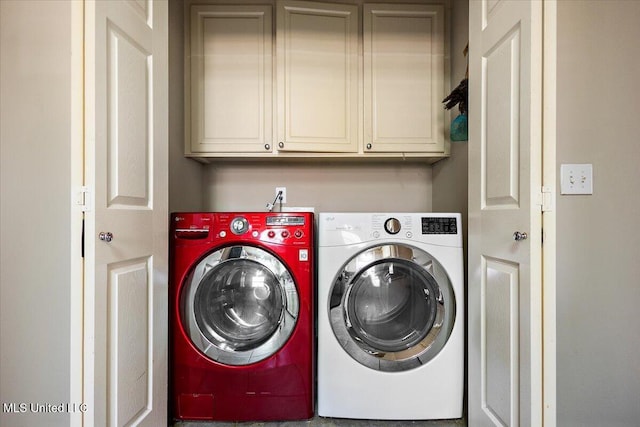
[(392, 226), (239, 225)]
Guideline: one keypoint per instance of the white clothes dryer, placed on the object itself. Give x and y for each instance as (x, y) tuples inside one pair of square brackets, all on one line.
[(390, 316)]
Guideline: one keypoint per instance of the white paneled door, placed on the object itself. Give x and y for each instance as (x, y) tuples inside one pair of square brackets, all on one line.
[(505, 152), (125, 285)]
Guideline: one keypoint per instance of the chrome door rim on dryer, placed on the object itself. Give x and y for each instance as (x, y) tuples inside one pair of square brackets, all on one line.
[(427, 299), (231, 335)]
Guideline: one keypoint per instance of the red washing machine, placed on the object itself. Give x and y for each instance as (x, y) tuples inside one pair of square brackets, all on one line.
[(242, 336)]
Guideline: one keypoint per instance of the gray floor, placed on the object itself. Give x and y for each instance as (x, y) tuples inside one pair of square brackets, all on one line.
[(330, 422)]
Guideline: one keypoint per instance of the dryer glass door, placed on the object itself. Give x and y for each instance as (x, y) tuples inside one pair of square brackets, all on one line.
[(239, 305), (392, 307)]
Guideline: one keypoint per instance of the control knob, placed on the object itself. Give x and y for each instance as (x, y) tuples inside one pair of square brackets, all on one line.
[(392, 226), (239, 225)]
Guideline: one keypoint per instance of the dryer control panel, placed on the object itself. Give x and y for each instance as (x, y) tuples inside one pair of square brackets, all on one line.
[(444, 225), (343, 228)]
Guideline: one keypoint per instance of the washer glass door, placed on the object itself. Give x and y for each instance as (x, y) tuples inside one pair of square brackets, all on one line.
[(392, 307), (239, 305)]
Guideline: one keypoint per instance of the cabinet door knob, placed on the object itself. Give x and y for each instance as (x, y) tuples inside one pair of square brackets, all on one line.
[(267, 147), (369, 146), (105, 236), (281, 144), (518, 236)]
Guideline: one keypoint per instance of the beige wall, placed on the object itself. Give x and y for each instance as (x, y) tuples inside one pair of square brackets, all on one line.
[(450, 175), (598, 273), (398, 186), (185, 175), (35, 208)]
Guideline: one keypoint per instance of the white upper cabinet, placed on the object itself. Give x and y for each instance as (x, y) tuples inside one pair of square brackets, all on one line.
[(354, 81), (229, 88), (317, 72), (403, 78)]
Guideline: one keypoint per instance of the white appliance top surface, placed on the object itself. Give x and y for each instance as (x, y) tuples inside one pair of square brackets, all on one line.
[(340, 228)]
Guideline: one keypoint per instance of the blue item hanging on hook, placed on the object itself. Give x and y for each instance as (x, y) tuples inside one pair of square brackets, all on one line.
[(459, 129), (459, 97)]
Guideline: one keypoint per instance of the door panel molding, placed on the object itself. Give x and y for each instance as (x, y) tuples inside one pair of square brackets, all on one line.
[(129, 113), (499, 332), (130, 322), (501, 144)]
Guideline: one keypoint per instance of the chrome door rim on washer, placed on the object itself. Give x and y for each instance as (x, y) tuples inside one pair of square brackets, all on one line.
[(421, 295), (216, 303)]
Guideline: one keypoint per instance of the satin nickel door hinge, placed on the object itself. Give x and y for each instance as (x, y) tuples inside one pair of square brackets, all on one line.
[(83, 199), (545, 199)]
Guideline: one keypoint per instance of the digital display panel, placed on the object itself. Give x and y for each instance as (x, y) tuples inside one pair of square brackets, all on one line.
[(285, 220), (439, 226)]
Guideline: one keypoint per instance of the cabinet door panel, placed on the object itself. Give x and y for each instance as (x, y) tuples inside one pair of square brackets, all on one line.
[(403, 78), (317, 77), (231, 79)]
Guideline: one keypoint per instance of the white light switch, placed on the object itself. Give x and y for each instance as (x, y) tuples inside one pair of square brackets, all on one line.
[(576, 179)]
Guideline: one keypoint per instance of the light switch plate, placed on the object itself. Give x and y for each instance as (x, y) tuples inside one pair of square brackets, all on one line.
[(576, 179)]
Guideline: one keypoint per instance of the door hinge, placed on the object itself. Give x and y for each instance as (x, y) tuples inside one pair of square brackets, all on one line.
[(83, 199), (545, 199)]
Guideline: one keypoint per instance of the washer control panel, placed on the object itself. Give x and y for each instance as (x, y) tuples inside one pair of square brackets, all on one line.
[(276, 228), (285, 220), (291, 235)]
